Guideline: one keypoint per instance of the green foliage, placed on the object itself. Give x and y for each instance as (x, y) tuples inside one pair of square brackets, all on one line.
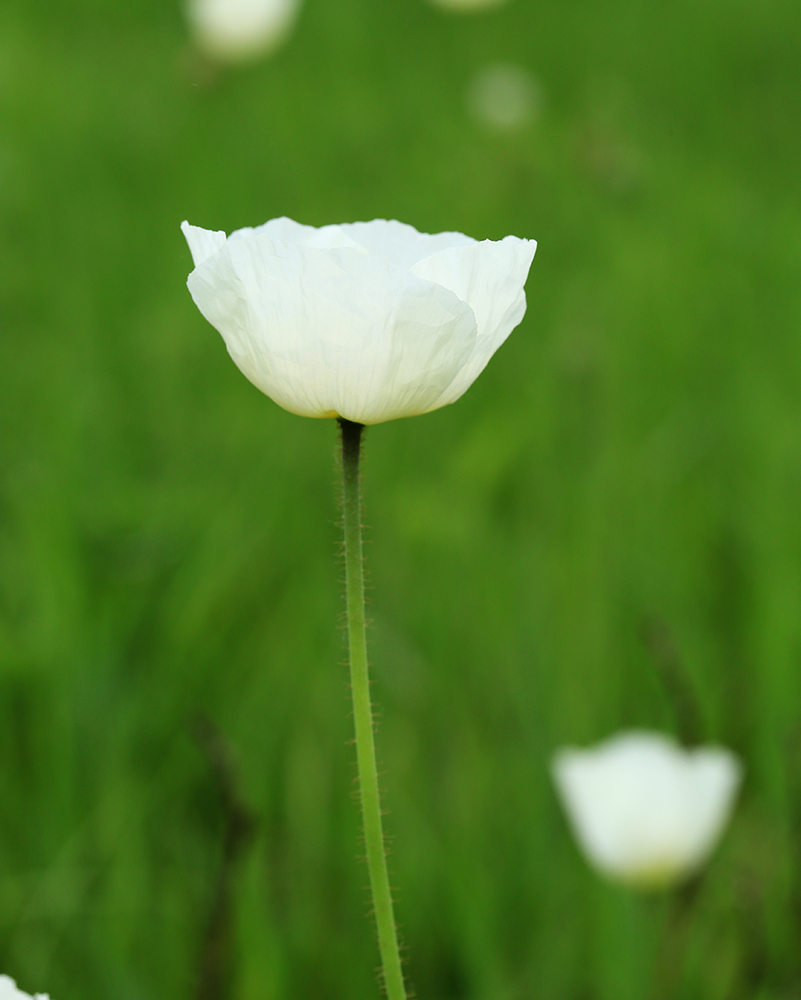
[(613, 504)]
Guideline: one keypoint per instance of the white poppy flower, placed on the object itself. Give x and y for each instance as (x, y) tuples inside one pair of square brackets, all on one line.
[(369, 321), (645, 811), (238, 30), (9, 991)]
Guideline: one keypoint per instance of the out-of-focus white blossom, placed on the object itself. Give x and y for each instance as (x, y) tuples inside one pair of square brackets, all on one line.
[(239, 30), (645, 811), (9, 991), (504, 97), (369, 321)]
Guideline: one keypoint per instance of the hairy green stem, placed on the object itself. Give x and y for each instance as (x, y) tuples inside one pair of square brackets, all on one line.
[(363, 717)]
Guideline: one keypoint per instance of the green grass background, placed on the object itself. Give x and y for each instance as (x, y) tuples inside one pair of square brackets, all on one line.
[(623, 480)]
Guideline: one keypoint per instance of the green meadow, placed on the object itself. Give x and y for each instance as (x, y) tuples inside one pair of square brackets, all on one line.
[(603, 533)]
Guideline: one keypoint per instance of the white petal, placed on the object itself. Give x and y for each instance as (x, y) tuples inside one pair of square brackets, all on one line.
[(490, 277), (397, 242), (288, 231), (334, 332), (400, 243), (716, 776), (202, 242)]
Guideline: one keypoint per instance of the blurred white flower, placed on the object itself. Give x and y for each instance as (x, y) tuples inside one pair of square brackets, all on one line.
[(504, 97), (9, 991), (369, 321), (467, 5), (645, 811), (239, 30)]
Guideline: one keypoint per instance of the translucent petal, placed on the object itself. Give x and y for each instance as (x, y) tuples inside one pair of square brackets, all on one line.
[(202, 242), (400, 243), (288, 231), (489, 276), (397, 242)]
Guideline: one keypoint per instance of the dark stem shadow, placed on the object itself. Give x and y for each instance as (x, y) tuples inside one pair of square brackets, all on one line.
[(216, 961)]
